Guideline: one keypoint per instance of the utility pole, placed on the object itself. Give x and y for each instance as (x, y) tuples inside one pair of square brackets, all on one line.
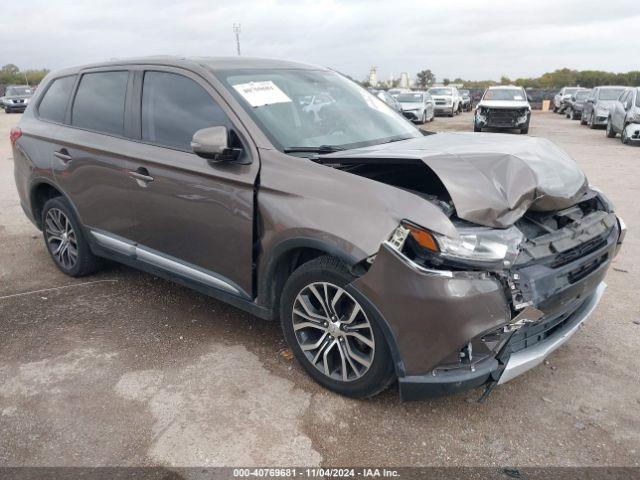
[(236, 30)]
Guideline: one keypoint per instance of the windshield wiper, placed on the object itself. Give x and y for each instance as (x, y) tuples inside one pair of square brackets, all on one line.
[(320, 149)]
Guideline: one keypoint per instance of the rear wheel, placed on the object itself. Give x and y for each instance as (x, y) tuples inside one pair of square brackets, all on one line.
[(65, 240), (611, 133), (332, 332)]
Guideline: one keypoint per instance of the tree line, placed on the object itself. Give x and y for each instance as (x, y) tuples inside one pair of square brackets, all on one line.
[(558, 79), (10, 74)]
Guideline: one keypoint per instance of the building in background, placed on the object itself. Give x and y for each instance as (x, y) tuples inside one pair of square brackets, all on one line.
[(373, 76)]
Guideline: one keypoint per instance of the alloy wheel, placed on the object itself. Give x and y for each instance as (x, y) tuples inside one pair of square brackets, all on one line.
[(61, 238), (333, 331)]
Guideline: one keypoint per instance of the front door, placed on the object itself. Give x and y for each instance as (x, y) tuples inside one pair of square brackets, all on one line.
[(183, 209)]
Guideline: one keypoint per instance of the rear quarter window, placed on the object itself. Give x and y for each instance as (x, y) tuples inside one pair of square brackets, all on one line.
[(54, 102), (99, 102)]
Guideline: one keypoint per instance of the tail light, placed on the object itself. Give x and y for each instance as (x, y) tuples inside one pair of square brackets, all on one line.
[(15, 134)]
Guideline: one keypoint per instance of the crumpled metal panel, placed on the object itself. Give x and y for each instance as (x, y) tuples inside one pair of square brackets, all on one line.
[(493, 179)]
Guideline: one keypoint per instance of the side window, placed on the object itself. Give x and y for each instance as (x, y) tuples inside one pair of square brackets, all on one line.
[(174, 107), (54, 103), (99, 102)]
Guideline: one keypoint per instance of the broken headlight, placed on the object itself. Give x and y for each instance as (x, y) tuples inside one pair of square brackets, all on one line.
[(485, 246), (476, 246)]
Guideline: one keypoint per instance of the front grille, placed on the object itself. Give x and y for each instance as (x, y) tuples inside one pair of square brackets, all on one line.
[(530, 335), (503, 116), (579, 251), (441, 102)]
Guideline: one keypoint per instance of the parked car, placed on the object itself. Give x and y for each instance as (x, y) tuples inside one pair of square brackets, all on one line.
[(624, 117), (446, 261), (388, 99), (447, 100), (394, 92), (417, 106), (559, 100), (503, 107), (575, 104), (595, 112), (466, 100), (16, 98)]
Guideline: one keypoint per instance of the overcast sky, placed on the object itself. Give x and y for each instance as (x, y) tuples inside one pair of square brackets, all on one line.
[(472, 39)]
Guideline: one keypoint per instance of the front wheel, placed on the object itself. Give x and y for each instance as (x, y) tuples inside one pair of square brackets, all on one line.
[(624, 138), (476, 128), (611, 133), (592, 122), (333, 333)]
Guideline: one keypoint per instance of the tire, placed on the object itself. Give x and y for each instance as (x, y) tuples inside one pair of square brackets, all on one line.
[(453, 112), (624, 138), (424, 117), (555, 109), (476, 128), (362, 381), (583, 119), (525, 130), (569, 113), (592, 120), (60, 227), (611, 133)]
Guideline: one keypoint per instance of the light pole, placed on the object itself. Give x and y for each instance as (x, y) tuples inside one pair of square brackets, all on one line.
[(236, 30)]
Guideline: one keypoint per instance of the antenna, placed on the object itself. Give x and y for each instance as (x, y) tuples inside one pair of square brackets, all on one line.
[(236, 30)]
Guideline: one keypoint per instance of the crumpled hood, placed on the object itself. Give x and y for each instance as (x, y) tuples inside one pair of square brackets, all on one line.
[(504, 104), (493, 179)]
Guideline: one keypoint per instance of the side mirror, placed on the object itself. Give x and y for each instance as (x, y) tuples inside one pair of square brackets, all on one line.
[(212, 143), (529, 99)]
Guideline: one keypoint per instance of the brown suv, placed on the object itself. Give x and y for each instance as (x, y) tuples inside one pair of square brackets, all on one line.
[(446, 261)]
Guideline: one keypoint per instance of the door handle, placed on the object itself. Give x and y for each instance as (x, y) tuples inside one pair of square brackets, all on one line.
[(63, 155), (141, 175)]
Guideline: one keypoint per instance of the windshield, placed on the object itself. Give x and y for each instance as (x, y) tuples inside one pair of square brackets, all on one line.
[(464, 92), (504, 94), (410, 97), (315, 108), (15, 91), (440, 91), (610, 93), (582, 94), (570, 91)]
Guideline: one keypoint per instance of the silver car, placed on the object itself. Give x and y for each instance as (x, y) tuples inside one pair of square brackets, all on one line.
[(596, 109), (417, 106), (624, 117)]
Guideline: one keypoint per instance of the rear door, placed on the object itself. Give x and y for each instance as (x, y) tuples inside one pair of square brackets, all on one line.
[(88, 156), (182, 208)]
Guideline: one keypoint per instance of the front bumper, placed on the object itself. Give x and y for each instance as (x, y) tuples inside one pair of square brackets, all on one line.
[(433, 315), (600, 119), (413, 115), (498, 118), (633, 132), (443, 108)]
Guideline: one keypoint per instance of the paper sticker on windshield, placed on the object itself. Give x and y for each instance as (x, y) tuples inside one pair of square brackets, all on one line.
[(517, 97), (259, 94)]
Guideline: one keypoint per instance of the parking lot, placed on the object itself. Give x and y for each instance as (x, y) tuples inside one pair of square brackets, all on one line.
[(126, 369)]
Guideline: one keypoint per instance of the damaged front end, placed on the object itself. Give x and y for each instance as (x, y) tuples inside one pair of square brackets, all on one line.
[(489, 305), (632, 133)]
